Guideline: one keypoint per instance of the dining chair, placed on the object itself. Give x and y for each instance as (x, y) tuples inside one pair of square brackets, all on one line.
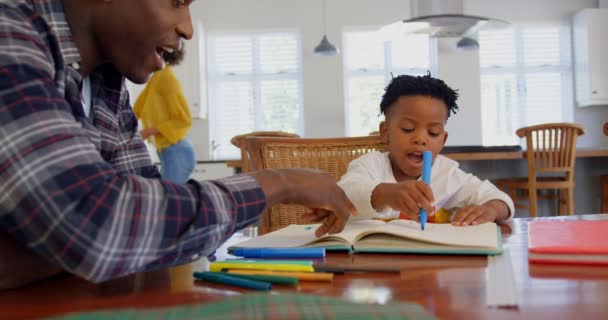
[(550, 154), (237, 141), (328, 154)]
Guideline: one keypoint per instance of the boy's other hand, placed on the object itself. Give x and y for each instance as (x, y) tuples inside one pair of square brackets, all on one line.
[(406, 196), (314, 189), (491, 211), (473, 215)]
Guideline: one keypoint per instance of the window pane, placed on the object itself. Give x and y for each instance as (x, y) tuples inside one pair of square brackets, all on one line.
[(278, 53), (543, 98), (254, 85), (233, 55), (500, 110), (364, 50), (531, 87), (280, 105), (541, 46), (234, 116), (411, 52), (364, 95), (497, 48)]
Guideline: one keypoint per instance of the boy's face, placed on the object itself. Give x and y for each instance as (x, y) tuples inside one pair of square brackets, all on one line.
[(132, 34), (413, 124)]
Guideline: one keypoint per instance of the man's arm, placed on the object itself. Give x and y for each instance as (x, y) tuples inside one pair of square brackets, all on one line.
[(67, 204), (62, 200), (20, 266)]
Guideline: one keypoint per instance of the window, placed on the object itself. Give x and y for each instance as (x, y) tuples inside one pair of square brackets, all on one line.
[(368, 64), (255, 84), (525, 80)]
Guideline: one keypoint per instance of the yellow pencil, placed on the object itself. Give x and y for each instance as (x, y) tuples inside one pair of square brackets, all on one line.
[(223, 265), (304, 276)]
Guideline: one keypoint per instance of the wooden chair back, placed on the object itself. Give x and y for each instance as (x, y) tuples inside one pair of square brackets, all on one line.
[(328, 154), (238, 141), (550, 148)]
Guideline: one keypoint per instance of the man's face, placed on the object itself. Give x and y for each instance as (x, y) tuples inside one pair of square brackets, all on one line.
[(133, 34), (414, 124)]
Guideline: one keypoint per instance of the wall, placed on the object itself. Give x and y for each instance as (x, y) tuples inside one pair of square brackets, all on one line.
[(592, 118), (587, 193), (322, 76), (460, 69)]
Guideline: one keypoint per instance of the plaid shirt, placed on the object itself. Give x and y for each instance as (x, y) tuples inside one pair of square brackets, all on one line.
[(82, 191)]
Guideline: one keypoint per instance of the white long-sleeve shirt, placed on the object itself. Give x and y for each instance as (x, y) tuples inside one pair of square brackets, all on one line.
[(452, 187)]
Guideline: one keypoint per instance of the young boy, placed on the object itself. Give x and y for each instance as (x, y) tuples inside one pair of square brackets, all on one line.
[(387, 185)]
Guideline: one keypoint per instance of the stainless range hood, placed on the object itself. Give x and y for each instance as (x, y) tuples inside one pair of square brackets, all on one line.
[(444, 19)]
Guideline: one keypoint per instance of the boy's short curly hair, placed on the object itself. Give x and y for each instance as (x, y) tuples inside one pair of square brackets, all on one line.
[(406, 85)]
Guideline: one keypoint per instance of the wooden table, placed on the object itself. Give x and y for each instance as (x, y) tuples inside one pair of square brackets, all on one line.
[(510, 155), (451, 287), (504, 155)]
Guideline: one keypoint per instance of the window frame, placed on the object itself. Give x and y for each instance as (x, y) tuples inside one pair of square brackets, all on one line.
[(520, 71), (255, 78)]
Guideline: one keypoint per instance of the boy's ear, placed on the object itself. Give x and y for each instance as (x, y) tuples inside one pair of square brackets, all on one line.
[(445, 137), (384, 131)]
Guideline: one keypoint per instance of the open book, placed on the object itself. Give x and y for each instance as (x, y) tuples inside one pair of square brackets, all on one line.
[(399, 236)]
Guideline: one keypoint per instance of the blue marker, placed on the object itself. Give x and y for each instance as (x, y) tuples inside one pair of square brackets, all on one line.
[(279, 252), (223, 278), (427, 160)]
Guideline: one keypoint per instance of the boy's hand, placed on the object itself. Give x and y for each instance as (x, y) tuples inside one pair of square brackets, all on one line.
[(406, 196), (491, 211)]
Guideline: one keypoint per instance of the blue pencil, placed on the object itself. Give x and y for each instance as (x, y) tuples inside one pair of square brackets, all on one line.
[(279, 252), (427, 160)]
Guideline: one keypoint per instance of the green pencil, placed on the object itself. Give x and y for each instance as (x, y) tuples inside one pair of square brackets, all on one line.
[(292, 281)]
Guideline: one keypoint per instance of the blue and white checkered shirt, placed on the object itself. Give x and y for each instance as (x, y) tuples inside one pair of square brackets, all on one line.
[(81, 191)]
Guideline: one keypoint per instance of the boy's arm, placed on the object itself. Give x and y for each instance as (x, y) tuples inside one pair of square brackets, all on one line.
[(470, 190), (358, 184), (406, 197)]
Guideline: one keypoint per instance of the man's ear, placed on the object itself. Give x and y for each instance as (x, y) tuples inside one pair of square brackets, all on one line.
[(384, 131)]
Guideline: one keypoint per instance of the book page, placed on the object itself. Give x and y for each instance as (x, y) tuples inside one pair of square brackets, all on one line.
[(482, 235), (297, 235), (291, 236), (387, 242)]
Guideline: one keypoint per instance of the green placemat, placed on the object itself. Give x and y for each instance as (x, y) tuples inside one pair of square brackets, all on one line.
[(266, 306)]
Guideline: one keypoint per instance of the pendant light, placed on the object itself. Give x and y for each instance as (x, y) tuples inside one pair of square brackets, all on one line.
[(325, 48)]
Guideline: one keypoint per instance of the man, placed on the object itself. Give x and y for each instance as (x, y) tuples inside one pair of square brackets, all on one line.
[(78, 187)]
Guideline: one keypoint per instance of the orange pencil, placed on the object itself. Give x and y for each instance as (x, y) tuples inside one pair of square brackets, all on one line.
[(304, 276)]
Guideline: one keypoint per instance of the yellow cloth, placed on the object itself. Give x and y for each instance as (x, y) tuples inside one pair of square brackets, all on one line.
[(162, 105)]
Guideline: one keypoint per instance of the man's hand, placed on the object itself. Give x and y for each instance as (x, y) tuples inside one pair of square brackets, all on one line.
[(491, 211), (406, 196), (314, 189), (148, 132)]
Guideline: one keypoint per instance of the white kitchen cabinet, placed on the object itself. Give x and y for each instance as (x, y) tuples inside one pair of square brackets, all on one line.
[(590, 40), (210, 170)]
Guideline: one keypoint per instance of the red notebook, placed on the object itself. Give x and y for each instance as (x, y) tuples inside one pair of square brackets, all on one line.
[(568, 242)]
